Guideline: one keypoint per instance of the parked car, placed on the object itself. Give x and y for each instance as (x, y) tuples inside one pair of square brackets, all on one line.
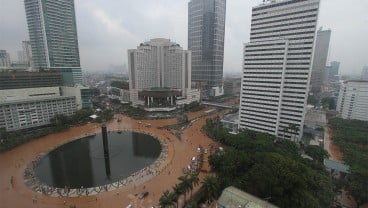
[(143, 194)]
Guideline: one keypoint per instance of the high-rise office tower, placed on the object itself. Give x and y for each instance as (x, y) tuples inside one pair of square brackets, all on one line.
[(319, 59), (206, 35), (53, 36), (277, 67), (27, 53), (332, 72)]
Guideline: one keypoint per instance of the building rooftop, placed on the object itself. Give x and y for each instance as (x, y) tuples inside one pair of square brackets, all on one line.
[(233, 197)]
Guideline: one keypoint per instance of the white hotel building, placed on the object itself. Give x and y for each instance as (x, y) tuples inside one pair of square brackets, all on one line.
[(353, 100), (160, 76), (277, 66)]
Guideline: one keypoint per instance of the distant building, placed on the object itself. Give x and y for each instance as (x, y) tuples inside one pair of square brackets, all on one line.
[(232, 86), (353, 100), (83, 95), (71, 76), (332, 72), (364, 75), (277, 67), (33, 107), (319, 59), (231, 122), (232, 197), (160, 76), (4, 59), (53, 37), (18, 80), (120, 94), (27, 54), (206, 37)]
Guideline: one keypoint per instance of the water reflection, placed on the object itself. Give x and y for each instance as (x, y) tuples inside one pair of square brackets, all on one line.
[(82, 162)]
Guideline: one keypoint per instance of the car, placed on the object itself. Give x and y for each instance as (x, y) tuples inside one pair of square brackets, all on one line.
[(129, 206), (143, 194)]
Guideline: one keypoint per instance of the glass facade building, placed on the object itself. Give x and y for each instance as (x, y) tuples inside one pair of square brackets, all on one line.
[(53, 34), (206, 34)]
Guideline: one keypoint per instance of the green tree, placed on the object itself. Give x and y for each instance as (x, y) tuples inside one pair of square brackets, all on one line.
[(194, 181), (185, 184), (258, 163), (178, 190), (329, 103), (316, 152), (312, 100), (119, 84), (210, 188), (168, 199), (351, 137), (357, 187), (294, 130), (3, 134)]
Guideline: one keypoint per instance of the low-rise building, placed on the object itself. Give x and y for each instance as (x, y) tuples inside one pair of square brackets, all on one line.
[(232, 197), (18, 80), (353, 100), (33, 107), (119, 94), (4, 59)]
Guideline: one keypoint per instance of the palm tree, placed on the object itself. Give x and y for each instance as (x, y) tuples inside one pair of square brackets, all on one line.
[(294, 128), (168, 199), (210, 188), (194, 181), (185, 184), (285, 130), (178, 190)]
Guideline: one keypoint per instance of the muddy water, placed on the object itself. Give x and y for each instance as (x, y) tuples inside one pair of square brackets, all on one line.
[(81, 163)]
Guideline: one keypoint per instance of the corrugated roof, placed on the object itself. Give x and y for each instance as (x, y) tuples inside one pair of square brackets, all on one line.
[(232, 197)]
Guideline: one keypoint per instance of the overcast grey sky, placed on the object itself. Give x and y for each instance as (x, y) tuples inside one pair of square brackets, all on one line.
[(107, 28)]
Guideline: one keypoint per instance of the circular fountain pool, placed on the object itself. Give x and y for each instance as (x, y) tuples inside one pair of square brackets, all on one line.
[(82, 163)]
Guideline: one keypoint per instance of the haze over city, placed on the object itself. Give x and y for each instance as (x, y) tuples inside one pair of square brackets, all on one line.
[(183, 103), (107, 30)]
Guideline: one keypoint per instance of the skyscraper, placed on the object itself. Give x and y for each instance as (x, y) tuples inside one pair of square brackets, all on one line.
[(53, 36), (206, 36), (319, 59), (277, 67), (27, 53), (332, 72)]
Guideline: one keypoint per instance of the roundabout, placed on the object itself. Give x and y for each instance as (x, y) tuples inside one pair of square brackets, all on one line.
[(16, 190), (79, 168)]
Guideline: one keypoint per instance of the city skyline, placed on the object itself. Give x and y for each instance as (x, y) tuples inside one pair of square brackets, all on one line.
[(113, 32)]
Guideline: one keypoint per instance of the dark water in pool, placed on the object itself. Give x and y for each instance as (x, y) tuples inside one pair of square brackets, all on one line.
[(82, 162)]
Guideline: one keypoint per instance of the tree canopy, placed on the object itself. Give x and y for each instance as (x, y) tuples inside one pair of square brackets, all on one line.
[(120, 84), (269, 168), (352, 138)]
